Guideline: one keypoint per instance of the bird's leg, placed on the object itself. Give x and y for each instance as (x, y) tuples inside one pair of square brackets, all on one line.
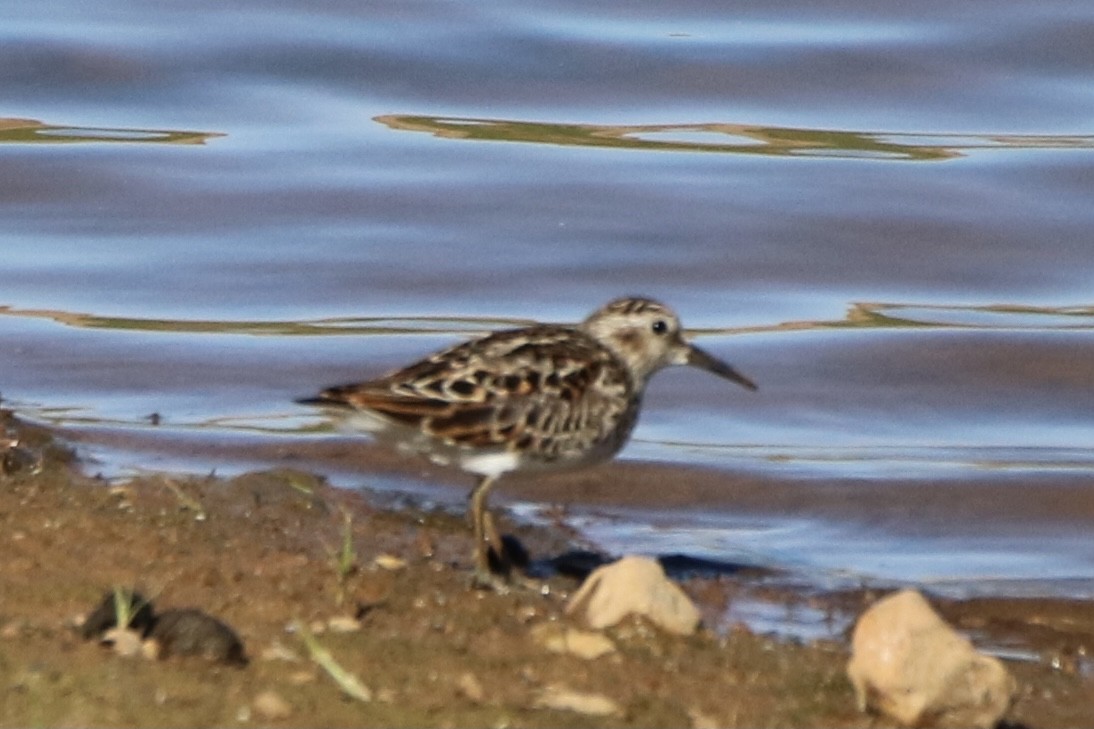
[(493, 540), (485, 535)]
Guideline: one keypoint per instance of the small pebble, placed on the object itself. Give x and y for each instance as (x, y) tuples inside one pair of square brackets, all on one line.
[(277, 651), (561, 698), (470, 687), (581, 643), (270, 706), (343, 624), (303, 678), (126, 643), (390, 562)]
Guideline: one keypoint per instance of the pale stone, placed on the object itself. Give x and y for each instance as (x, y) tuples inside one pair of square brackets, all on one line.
[(470, 686), (581, 643), (561, 698), (303, 677), (270, 706), (125, 642), (278, 651), (389, 562), (910, 665), (343, 624), (634, 586)]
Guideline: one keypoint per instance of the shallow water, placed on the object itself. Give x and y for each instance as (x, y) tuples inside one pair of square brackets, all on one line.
[(880, 214)]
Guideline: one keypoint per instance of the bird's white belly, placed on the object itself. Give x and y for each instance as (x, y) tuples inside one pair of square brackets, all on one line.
[(488, 464)]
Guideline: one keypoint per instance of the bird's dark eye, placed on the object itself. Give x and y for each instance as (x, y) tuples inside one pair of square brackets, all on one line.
[(660, 327)]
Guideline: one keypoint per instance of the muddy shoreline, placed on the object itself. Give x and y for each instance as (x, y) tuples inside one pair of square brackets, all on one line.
[(266, 548), (997, 502)]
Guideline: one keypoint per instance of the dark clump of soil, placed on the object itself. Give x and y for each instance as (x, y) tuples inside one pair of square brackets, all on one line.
[(191, 632), (105, 616), (185, 632), (385, 595)]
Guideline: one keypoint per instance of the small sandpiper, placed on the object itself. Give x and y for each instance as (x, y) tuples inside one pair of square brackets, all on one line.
[(544, 397)]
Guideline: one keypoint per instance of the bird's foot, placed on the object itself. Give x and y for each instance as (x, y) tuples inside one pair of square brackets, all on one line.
[(501, 571), (491, 581), (507, 583)]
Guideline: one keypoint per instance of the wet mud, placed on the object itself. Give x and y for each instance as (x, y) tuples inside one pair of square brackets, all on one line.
[(291, 562)]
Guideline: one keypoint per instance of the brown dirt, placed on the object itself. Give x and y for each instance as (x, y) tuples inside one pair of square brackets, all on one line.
[(260, 552)]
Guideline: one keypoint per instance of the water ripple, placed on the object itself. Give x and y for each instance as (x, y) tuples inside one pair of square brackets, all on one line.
[(859, 315), (734, 138), (32, 131)]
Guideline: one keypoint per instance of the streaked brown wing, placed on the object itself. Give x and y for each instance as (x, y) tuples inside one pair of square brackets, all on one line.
[(377, 398), (538, 388)]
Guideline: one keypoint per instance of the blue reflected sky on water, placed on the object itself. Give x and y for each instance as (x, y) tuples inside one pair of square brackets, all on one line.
[(284, 164)]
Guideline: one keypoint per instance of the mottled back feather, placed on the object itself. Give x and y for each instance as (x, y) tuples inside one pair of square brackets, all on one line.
[(548, 390)]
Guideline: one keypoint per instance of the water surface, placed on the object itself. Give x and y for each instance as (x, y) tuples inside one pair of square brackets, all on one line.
[(882, 214)]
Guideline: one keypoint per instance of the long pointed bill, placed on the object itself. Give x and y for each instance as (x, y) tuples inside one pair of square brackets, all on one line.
[(699, 358)]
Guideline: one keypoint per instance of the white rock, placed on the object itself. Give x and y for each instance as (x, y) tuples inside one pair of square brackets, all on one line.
[(389, 562), (343, 624), (909, 664), (270, 706), (471, 687), (561, 698), (634, 586), (278, 651), (125, 642), (581, 643)]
